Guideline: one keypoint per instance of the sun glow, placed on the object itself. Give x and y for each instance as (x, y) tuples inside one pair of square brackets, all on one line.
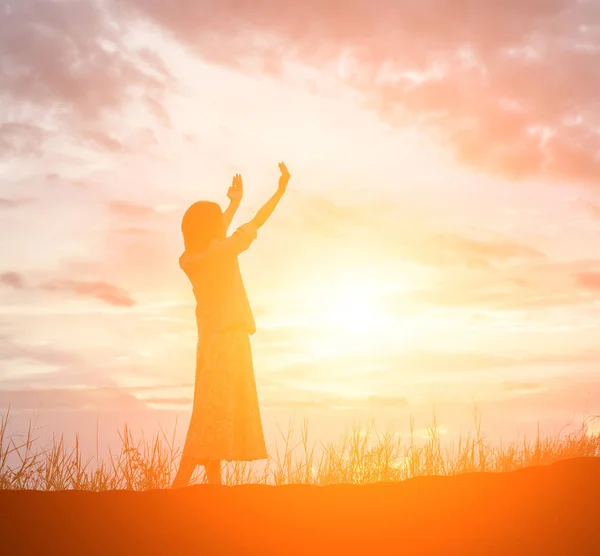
[(353, 307), (347, 315)]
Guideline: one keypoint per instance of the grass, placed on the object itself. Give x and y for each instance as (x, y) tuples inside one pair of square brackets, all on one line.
[(358, 457)]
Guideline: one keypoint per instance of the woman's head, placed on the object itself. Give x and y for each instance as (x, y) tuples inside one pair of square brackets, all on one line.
[(202, 223)]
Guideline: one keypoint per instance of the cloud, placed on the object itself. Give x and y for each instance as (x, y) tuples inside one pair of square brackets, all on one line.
[(328, 218), (182, 401), (109, 293), (103, 141), (537, 284), (407, 234), (510, 87), (559, 396), (71, 60), (95, 388), (500, 294), (453, 362), (589, 280), (135, 232), (525, 387), (72, 399), (13, 203), (158, 109), (592, 208), (128, 210), (387, 374), (20, 139), (13, 280), (444, 249), (377, 369), (39, 353), (67, 63), (484, 270), (319, 400)]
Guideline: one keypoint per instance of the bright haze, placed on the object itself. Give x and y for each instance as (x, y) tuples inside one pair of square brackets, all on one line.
[(437, 248)]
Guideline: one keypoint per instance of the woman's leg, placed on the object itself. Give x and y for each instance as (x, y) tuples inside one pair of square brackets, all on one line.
[(213, 472), (185, 472)]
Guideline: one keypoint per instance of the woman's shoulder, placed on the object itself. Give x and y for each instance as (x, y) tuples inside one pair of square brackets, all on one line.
[(189, 259), (195, 259)]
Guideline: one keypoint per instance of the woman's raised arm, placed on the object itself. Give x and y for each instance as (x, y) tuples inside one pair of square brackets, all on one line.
[(235, 194), (241, 239), (267, 210)]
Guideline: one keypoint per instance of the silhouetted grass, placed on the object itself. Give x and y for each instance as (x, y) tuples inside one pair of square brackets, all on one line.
[(358, 457)]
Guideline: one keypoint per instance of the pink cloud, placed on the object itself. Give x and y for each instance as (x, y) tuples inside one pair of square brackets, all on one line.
[(72, 399), (14, 203), (533, 284), (104, 291), (19, 138), (40, 353), (590, 207), (589, 280), (402, 233), (68, 60), (511, 87), (103, 141), (127, 209), (13, 280), (454, 249)]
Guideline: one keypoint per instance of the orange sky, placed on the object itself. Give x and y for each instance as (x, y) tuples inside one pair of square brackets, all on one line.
[(437, 247)]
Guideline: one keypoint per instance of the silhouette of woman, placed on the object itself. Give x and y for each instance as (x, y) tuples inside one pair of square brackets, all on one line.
[(226, 423)]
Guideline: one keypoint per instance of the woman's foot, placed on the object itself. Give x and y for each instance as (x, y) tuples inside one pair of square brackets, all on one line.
[(184, 474), (213, 472)]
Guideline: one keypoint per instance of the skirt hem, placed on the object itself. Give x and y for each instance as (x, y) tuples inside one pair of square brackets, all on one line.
[(204, 461)]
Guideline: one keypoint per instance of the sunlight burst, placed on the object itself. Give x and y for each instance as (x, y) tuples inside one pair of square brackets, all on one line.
[(354, 307)]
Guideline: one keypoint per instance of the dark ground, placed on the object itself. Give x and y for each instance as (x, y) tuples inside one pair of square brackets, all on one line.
[(543, 510)]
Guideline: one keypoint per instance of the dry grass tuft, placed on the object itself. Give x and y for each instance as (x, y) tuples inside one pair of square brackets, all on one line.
[(358, 458)]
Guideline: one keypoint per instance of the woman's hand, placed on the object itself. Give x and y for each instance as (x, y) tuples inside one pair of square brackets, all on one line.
[(265, 212), (236, 191), (285, 177), (235, 194)]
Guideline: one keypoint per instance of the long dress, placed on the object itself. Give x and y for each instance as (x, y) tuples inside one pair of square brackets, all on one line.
[(226, 422)]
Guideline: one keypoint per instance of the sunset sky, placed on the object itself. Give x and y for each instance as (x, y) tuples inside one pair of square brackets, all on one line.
[(438, 246)]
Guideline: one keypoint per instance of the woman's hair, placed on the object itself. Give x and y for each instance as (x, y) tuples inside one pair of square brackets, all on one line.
[(201, 223)]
